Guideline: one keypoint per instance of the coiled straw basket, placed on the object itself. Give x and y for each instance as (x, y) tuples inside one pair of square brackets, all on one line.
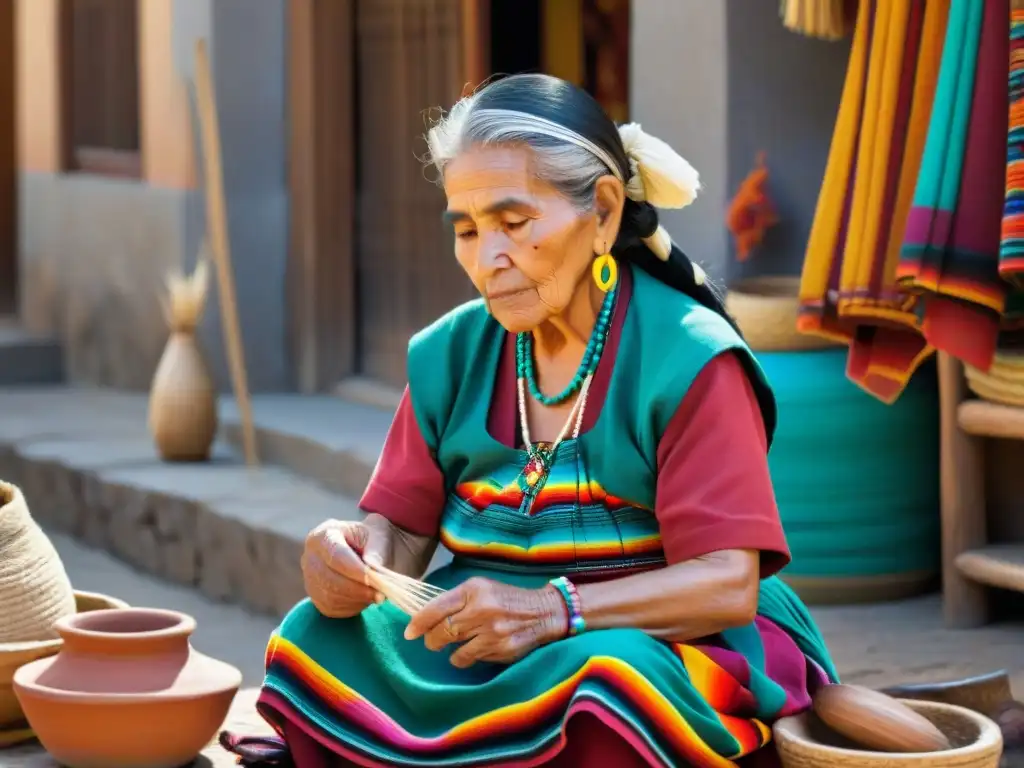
[(766, 310), (1003, 383), (804, 742)]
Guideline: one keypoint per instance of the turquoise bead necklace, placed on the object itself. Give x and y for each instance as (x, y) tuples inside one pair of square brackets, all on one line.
[(540, 456), (525, 368)]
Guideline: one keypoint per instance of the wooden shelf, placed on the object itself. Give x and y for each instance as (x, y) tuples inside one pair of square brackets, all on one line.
[(997, 565), (985, 419)]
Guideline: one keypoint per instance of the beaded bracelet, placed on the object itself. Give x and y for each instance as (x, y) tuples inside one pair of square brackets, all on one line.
[(571, 596)]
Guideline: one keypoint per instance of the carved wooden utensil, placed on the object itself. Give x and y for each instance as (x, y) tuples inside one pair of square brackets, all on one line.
[(876, 721)]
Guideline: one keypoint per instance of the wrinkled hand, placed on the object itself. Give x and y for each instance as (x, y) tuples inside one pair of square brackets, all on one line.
[(334, 566), (493, 621)]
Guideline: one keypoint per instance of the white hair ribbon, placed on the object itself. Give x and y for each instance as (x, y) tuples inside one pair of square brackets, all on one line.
[(660, 175)]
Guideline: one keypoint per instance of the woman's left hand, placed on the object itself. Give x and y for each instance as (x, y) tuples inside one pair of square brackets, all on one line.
[(493, 621)]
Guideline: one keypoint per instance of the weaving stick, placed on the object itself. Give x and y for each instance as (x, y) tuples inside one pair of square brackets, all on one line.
[(217, 226)]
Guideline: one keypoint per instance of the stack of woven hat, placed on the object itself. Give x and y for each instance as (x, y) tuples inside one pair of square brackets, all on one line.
[(34, 592)]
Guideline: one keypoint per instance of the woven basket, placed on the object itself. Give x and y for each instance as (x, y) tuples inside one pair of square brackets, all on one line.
[(766, 309), (34, 588), (1003, 383), (14, 655), (804, 742)]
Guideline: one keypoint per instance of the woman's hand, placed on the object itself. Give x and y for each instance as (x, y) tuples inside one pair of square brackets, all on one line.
[(334, 565), (493, 621)]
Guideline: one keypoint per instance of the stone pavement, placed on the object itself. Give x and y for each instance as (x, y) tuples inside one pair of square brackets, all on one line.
[(875, 645)]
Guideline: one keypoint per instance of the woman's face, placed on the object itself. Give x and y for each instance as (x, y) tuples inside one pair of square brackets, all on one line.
[(526, 248)]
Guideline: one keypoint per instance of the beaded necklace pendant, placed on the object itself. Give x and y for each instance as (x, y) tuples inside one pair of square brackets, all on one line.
[(535, 474), (541, 456)]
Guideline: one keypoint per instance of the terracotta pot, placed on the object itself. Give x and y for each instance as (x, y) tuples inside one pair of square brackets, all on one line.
[(804, 742), (127, 690), (183, 402), (14, 655)]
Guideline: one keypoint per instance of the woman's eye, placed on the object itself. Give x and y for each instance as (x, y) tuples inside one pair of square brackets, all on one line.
[(466, 234), (514, 225)]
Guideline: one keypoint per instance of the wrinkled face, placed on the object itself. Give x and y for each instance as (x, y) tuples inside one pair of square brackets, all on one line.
[(526, 248)]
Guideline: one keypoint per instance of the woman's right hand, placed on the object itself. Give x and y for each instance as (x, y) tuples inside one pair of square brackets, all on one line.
[(334, 565)]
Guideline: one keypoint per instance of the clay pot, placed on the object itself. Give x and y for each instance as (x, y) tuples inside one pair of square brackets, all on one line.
[(127, 690), (14, 655), (183, 402), (804, 741)]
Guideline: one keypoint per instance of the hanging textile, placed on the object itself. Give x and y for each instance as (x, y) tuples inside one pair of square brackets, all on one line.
[(848, 287), (1011, 252), (951, 248), (901, 259), (825, 242)]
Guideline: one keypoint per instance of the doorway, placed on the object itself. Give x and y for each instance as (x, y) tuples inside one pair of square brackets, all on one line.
[(370, 262), (8, 163), (409, 61)]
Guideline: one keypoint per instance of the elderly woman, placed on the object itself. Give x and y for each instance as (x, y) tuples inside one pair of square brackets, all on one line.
[(589, 440)]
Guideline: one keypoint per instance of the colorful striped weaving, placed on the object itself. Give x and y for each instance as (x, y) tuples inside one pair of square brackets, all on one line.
[(1011, 250), (390, 702)]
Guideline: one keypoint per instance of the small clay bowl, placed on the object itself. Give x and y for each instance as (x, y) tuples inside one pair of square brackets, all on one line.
[(14, 655), (803, 741)]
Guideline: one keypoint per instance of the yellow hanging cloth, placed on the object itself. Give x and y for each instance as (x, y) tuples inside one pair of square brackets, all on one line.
[(824, 245)]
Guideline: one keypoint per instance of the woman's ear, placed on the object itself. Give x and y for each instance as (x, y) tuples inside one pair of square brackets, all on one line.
[(609, 199)]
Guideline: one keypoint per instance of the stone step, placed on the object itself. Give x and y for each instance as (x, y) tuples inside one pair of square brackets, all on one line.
[(27, 359), (331, 441), (87, 466)]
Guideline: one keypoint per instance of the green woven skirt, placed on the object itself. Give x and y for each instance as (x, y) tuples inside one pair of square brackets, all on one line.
[(363, 692)]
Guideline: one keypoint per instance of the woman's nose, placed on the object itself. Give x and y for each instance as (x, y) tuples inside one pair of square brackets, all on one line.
[(493, 253)]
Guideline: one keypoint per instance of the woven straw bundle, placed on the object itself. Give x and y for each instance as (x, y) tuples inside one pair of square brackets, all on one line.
[(34, 588)]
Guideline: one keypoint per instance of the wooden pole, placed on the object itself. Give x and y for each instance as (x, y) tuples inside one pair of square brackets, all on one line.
[(962, 488), (475, 43), (217, 226)]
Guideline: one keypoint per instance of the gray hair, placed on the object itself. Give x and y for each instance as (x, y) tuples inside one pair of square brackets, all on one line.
[(571, 169)]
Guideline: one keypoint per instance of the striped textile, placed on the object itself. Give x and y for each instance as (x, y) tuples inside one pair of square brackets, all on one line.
[(1011, 249), (356, 689)]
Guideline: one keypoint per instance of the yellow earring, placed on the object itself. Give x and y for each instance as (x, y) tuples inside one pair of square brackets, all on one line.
[(602, 265)]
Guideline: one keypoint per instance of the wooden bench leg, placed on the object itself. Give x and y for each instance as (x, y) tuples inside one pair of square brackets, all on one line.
[(964, 524)]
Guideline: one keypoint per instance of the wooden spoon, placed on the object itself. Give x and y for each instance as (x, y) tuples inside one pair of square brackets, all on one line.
[(876, 721)]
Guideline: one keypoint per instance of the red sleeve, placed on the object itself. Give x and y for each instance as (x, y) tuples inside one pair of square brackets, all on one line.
[(714, 491), (407, 486)]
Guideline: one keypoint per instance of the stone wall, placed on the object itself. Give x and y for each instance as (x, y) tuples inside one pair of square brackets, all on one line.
[(94, 250), (93, 256)]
